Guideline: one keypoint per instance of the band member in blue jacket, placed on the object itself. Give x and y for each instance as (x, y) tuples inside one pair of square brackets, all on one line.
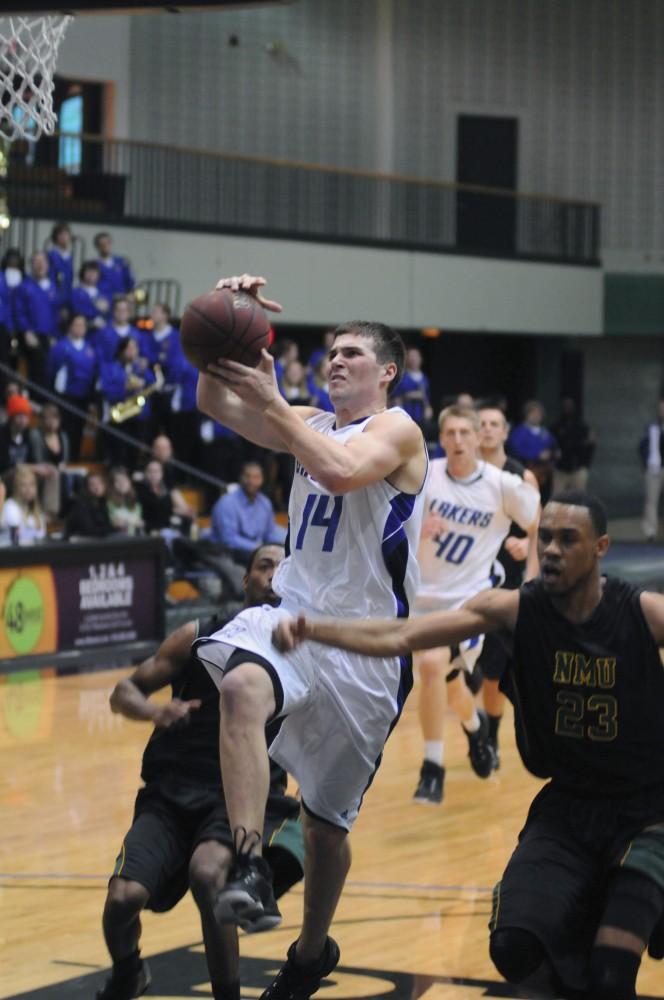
[(73, 370), (87, 298), (61, 260), (122, 379), (115, 274), (37, 305), (107, 340)]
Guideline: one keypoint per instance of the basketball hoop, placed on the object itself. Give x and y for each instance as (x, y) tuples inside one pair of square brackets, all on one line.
[(28, 50)]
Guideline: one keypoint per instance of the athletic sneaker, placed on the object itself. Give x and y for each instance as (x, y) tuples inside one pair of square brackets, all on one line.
[(481, 755), (429, 789), (126, 987), (493, 744), (247, 899), (299, 982)]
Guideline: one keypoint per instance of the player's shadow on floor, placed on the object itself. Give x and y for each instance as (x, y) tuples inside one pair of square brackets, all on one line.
[(182, 973)]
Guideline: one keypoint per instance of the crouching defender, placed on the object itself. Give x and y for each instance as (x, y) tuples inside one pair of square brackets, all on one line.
[(180, 837)]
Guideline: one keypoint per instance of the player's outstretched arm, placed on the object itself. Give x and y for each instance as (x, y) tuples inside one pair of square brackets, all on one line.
[(652, 606), (130, 696), (489, 612)]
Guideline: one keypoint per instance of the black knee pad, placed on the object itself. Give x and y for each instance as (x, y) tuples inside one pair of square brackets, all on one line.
[(515, 953), (634, 903), (612, 973)]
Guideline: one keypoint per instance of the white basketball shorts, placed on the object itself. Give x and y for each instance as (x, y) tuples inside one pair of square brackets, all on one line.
[(338, 709)]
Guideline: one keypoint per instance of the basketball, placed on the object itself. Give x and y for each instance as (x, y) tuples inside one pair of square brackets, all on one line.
[(224, 324)]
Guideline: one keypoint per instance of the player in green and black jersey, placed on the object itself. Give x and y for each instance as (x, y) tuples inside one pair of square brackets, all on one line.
[(583, 894), (180, 837)]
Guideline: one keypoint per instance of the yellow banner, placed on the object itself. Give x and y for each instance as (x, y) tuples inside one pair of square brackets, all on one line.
[(29, 623)]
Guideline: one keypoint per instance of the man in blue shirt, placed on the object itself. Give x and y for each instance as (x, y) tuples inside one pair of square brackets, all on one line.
[(413, 392), (115, 274), (535, 446), (37, 306), (244, 518)]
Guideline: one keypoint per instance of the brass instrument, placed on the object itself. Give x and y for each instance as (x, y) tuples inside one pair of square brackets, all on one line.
[(132, 406)]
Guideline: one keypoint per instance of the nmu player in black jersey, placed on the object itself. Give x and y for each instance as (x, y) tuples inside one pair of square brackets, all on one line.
[(583, 893), (180, 836)]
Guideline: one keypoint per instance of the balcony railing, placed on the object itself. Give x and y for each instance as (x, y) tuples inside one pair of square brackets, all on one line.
[(152, 185)]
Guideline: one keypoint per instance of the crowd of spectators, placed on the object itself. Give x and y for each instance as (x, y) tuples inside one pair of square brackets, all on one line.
[(76, 336)]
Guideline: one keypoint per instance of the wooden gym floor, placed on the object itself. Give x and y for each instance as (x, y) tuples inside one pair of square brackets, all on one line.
[(413, 920)]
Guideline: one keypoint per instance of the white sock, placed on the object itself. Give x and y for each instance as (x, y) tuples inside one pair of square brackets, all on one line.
[(433, 751), (473, 723)]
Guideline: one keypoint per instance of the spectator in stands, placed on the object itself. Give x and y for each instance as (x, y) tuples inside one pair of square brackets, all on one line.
[(161, 346), (11, 388), (87, 299), (651, 449), (22, 516), (115, 273), (37, 305), (88, 516), (162, 450), (106, 340), (576, 444), (73, 371), (284, 350), (319, 387), (412, 392), (464, 399), (124, 508), (244, 518), (321, 352), (122, 380), (185, 415), (6, 324), (16, 448), (534, 446), (164, 510), (50, 447), (13, 267), (61, 261), (294, 384)]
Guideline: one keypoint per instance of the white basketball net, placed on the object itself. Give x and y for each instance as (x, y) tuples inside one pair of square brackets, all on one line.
[(28, 50)]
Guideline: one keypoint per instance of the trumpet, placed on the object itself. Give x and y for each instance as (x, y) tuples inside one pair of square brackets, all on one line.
[(133, 405)]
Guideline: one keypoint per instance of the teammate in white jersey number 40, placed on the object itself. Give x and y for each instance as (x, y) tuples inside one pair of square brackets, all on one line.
[(470, 506)]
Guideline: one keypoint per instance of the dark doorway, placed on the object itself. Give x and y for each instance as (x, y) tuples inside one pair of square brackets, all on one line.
[(488, 366), (487, 150)]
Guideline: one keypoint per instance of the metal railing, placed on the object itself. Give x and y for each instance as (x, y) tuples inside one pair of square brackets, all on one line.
[(147, 184)]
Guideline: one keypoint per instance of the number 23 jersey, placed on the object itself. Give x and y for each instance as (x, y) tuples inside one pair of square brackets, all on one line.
[(478, 512), (589, 697), (350, 556)]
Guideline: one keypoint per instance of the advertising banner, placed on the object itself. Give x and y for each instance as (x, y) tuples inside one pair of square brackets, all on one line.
[(95, 597)]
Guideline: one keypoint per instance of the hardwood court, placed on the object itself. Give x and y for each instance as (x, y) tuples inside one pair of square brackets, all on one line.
[(413, 919)]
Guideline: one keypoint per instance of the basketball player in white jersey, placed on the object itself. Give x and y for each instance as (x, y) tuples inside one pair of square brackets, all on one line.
[(509, 568), (355, 514), (470, 506)]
